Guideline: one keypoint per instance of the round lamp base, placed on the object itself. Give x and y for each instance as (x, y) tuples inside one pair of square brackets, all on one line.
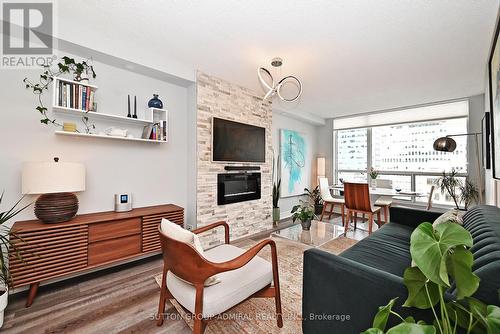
[(56, 208)]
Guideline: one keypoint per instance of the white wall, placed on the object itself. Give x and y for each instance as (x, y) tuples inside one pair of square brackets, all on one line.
[(281, 121), (153, 173), (476, 113), (325, 147)]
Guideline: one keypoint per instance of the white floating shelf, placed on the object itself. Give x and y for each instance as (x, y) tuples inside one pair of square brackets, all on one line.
[(77, 134), (98, 115)]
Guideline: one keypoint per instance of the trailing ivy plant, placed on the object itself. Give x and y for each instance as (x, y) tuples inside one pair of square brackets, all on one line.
[(442, 256), (67, 65)]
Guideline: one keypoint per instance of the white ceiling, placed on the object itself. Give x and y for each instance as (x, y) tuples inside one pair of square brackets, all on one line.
[(353, 56)]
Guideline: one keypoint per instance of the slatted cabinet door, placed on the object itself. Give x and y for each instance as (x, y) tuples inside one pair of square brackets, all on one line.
[(150, 239), (47, 253)]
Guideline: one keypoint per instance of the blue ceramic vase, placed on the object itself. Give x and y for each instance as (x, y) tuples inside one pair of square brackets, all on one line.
[(155, 102)]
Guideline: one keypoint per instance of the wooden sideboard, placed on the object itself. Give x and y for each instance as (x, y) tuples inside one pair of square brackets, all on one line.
[(86, 242)]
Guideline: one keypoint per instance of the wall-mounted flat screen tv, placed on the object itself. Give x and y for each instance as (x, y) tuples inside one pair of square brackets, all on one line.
[(237, 142)]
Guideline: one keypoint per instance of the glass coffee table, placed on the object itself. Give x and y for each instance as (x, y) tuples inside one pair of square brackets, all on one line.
[(319, 233)]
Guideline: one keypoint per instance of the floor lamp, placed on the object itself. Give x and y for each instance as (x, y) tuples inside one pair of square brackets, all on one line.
[(320, 168), (448, 144)]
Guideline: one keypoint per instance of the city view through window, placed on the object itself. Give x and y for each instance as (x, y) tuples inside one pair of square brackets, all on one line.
[(402, 153)]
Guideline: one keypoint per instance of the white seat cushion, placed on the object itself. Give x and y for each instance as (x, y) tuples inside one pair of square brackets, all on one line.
[(235, 286), (383, 201), (334, 200)]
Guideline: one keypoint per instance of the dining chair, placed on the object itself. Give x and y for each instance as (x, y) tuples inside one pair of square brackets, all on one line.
[(384, 202), (429, 200), (241, 275), (357, 200), (328, 199)]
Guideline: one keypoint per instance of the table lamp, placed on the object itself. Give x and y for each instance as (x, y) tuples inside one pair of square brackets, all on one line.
[(56, 182)]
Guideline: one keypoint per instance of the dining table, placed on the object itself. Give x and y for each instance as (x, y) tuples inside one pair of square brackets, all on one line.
[(380, 192), (376, 193)]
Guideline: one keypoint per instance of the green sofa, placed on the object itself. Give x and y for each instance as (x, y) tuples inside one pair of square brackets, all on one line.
[(341, 294)]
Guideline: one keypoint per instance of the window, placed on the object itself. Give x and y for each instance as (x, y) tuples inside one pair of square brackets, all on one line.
[(408, 147), (402, 153), (352, 149), (356, 177)]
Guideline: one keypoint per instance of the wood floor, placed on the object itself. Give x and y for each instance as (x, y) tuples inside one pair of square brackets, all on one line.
[(118, 300)]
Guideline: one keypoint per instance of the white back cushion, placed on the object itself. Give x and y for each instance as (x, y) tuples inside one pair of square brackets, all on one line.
[(324, 189), (176, 232)]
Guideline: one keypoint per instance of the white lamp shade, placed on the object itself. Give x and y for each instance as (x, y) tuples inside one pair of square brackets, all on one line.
[(52, 177), (321, 166)]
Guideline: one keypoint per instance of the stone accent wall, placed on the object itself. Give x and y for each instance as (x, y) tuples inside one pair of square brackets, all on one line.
[(219, 98)]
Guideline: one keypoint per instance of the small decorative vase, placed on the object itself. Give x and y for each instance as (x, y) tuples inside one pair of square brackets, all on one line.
[(155, 102), (306, 225), (305, 237), (276, 215), (374, 184), (81, 77)]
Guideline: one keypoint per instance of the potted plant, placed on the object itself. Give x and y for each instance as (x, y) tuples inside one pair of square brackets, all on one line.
[(315, 197), (449, 183), (373, 176), (442, 258), (5, 244), (276, 198), (305, 213), (459, 192), (468, 194)]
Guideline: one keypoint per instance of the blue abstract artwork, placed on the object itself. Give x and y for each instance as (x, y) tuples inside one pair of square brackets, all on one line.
[(295, 165)]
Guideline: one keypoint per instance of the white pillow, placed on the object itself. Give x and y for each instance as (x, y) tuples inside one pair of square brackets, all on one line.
[(178, 233), (453, 216)]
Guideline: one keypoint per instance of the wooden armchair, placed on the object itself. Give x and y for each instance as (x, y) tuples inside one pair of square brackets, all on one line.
[(243, 275)]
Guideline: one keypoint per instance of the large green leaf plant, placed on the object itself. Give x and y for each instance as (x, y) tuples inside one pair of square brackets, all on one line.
[(5, 241), (442, 258)]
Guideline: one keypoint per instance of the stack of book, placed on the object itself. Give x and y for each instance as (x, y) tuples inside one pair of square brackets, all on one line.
[(75, 96), (156, 131)]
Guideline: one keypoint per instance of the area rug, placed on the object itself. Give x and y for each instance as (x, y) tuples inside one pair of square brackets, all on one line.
[(257, 315)]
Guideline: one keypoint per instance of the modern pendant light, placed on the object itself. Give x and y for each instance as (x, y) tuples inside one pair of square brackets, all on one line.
[(274, 88), (445, 144)]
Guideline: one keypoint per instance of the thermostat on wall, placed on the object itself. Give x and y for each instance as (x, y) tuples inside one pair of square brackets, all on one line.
[(123, 202)]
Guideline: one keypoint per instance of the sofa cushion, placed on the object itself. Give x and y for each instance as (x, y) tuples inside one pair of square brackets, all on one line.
[(236, 285), (387, 249)]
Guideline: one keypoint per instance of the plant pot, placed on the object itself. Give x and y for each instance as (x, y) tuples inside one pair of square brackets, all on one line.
[(276, 215), (318, 209), (3, 303), (306, 225)]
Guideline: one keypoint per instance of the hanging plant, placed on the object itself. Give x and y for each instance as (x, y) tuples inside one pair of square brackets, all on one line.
[(80, 71)]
